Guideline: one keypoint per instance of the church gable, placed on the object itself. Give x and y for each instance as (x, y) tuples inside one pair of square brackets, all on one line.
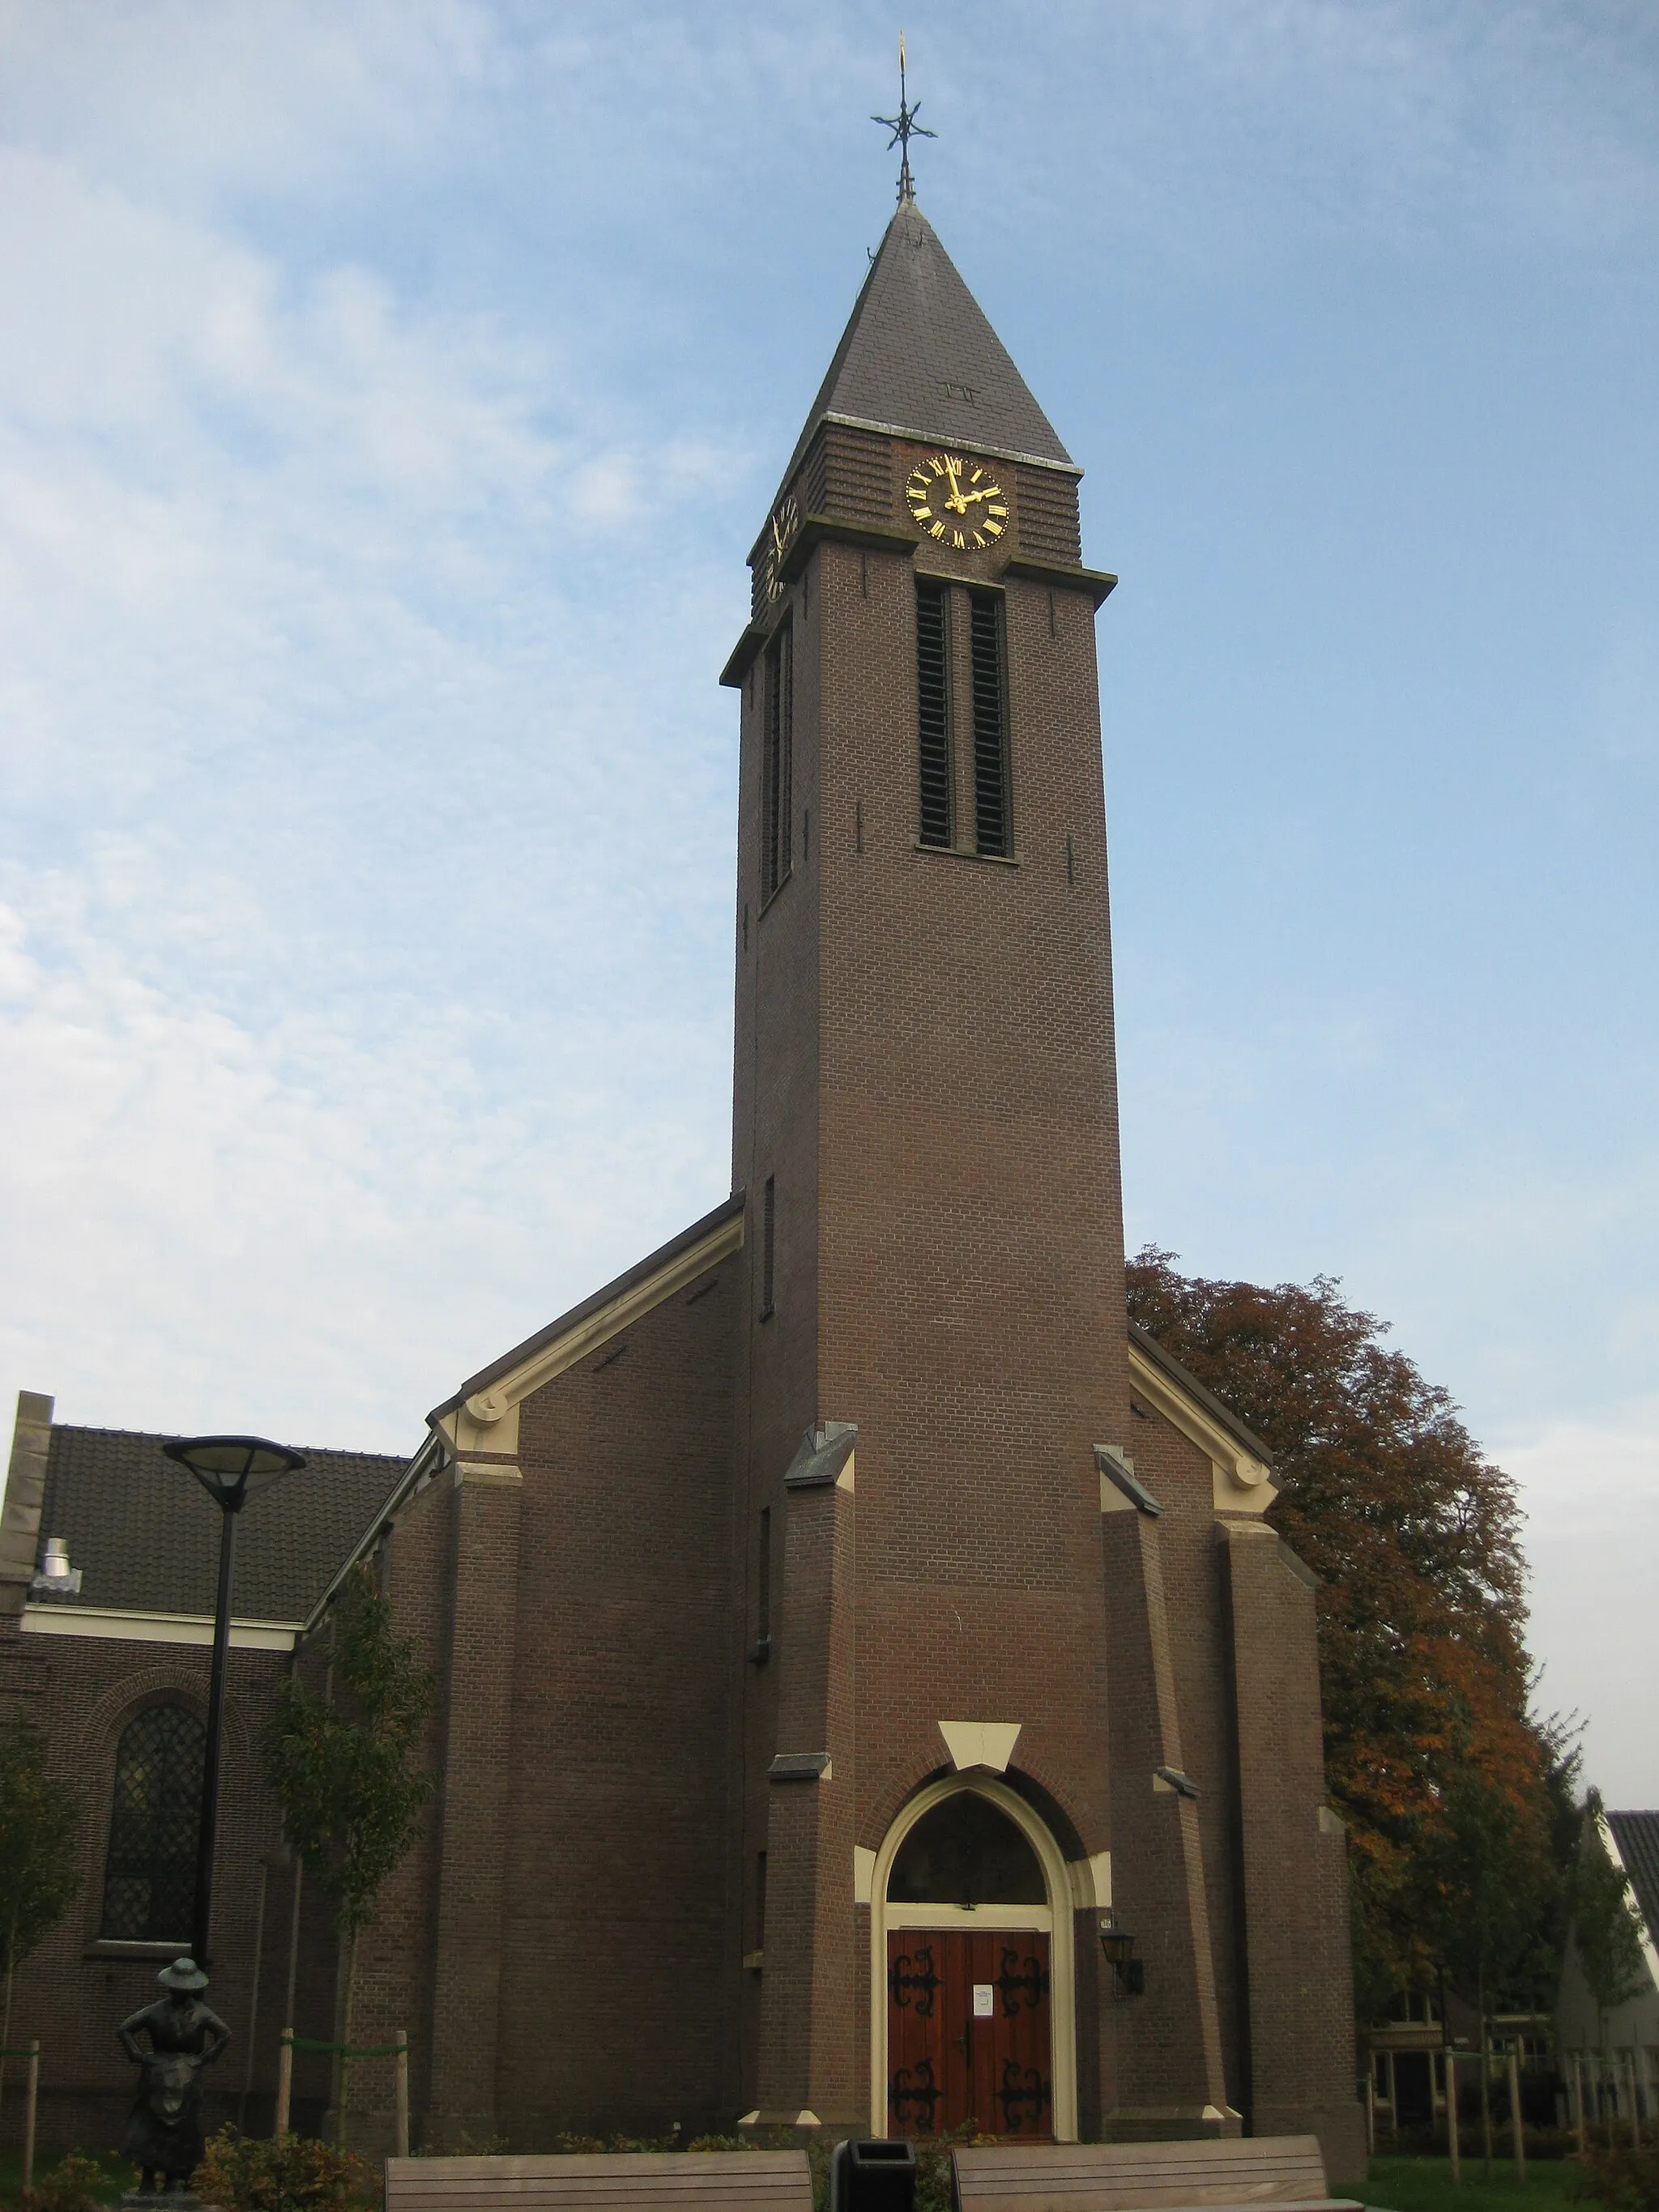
[(483, 1416), (1163, 1393)]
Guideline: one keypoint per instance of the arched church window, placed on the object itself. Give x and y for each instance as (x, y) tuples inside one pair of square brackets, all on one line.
[(966, 1851), (150, 1877)]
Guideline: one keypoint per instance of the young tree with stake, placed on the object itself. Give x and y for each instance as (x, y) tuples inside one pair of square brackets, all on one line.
[(342, 1763), (38, 1875)]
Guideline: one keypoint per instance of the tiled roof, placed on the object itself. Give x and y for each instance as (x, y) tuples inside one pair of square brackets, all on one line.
[(1636, 1835), (145, 1535), (916, 342)]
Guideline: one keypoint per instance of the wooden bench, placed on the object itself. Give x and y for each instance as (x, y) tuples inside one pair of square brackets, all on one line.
[(1266, 2173), (751, 2180)]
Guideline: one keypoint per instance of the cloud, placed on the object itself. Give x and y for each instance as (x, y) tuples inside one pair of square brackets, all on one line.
[(1590, 1490), (283, 1223)]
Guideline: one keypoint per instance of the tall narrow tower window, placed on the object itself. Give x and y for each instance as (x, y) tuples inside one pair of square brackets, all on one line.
[(990, 726), (776, 795), (768, 1244), (763, 1580), (934, 713)]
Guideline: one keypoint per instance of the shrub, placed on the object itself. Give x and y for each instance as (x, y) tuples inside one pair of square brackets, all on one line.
[(254, 2173), (76, 2183), (1626, 2180)]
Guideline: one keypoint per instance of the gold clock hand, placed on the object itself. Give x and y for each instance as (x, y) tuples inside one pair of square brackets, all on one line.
[(956, 503)]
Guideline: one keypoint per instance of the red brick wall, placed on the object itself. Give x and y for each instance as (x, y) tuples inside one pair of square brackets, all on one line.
[(1293, 1861), (617, 1963), (75, 1990), (925, 1063)]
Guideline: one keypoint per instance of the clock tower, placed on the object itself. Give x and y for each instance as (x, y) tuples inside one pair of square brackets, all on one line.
[(958, 1592)]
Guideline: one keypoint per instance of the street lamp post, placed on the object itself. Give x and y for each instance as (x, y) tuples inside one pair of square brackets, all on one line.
[(231, 1469)]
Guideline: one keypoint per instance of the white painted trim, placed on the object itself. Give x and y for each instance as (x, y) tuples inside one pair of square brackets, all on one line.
[(156, 1627), (1054, 1920), (1092, 1882), (981, 1743), (1242, 1483), (967, 1917), (486, 1408)]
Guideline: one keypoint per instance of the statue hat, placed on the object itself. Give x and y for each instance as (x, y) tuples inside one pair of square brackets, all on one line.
[(182, 1974)]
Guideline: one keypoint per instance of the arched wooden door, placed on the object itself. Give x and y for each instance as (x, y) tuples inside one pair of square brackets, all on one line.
[(969, 2037)]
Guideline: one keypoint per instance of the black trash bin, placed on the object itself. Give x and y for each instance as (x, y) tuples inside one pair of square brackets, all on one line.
[(873, 2177)]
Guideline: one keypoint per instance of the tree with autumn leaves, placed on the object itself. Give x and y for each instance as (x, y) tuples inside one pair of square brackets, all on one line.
[(1458, 1800)]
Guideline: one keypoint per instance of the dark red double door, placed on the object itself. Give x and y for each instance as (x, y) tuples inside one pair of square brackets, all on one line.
[(968, 2040)]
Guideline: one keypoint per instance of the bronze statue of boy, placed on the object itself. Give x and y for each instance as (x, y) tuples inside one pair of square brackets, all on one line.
[(164, 2133)]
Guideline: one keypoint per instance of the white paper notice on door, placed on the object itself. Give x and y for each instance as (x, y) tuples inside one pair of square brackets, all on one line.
[(982, 2000)]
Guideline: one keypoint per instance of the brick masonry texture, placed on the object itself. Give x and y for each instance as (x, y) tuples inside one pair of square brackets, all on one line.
[(617, 1914)]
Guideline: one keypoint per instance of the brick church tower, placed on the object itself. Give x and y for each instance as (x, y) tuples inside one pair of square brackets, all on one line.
[(820, 1683), (925, 1106), (934, 1396)]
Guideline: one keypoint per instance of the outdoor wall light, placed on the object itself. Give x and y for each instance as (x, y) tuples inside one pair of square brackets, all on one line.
[(1119, 1945)]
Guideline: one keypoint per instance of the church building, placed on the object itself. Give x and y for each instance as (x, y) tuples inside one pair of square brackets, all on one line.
[(871, 1695), (846, 1620)]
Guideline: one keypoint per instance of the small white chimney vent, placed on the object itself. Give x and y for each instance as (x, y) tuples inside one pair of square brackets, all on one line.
[(55, 1577)]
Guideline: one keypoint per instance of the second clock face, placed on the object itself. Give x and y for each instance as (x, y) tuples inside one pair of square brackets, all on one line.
[(780, 536), (957, 502)]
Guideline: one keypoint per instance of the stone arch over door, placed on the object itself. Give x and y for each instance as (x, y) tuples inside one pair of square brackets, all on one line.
[(1053, 1916)]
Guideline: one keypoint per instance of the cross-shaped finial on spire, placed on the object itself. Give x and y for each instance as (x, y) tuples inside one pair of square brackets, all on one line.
[(904, 127)]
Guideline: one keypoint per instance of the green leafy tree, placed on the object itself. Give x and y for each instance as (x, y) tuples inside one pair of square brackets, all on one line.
[(1430, 1744), (1489, 1887), (342, 1761), (39, 1877)]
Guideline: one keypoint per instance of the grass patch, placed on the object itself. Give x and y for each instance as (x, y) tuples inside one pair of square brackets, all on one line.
[(1425, 2185)]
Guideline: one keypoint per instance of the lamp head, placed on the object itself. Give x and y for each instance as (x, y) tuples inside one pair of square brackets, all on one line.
[(232, 1469), (1117, 1943)]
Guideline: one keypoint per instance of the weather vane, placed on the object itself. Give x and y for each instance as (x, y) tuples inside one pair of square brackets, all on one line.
[(904, 127)]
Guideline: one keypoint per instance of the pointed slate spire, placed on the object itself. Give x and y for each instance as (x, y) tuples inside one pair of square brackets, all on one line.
[(919, 358)]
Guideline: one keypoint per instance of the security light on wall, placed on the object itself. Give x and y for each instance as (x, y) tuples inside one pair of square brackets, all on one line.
[(1119, 1946)]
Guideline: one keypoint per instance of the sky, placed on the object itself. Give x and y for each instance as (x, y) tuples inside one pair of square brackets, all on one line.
[(390, 391)]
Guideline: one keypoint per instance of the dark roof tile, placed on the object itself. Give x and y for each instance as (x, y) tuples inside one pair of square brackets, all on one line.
[(146, 1536), (917, 340), (1636, 1835)]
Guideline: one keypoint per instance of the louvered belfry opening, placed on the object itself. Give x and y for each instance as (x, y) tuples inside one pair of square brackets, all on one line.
[(933, 713), (991, 835), (775, 800)]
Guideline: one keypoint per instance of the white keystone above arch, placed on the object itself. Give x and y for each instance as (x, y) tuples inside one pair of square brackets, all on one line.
[(981, 1743)]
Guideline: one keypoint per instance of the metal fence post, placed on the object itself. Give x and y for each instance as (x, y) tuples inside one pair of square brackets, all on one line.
[(1454, 2148), (1635, 2106), (402, 2093), (1515, 2127), (33, 2094), (284, 2081)]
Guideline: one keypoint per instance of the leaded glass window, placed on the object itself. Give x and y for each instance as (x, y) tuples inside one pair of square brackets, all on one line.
[(149, 1879)]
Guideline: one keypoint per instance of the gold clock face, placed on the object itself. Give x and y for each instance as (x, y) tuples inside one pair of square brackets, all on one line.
[(957, 502), (780, 528)]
